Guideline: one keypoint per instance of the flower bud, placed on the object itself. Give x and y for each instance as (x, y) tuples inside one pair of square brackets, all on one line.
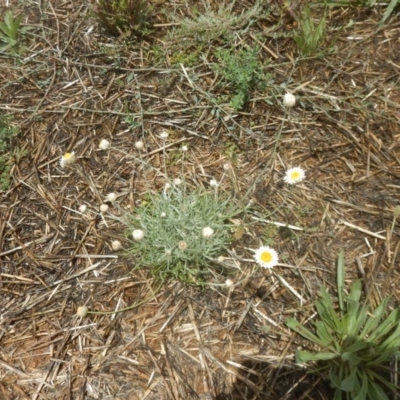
[(82, 311), (116, 245), (138, 235), (104, 144), (289, 100)]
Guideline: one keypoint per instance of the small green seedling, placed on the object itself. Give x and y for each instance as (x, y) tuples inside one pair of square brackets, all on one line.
[(123, 18), (355, 344), (242, 70), (9, 30), (7, 132), (312, 35)]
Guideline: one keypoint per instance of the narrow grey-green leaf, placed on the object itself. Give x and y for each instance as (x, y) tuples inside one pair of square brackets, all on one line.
[(305, 356), (374, 319), (303, 331)]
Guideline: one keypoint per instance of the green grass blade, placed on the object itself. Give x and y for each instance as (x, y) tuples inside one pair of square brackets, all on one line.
[(336, 376), (377, 393), (355, 291), (389, 323), (389, 10), (323, 333), (303, 331), (15, 26), (374, 320), (362, 394), (384, 356), (303, 356), (340, 280), (357, 346), (348, 384), (326, 310), (351, 358), (5, 29), (360, 320)]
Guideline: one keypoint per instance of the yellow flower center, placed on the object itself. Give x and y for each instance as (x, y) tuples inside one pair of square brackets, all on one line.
[(67, 156), (266, 257), (295, 175)]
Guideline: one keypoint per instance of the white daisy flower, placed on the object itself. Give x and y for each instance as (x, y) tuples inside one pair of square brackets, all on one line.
[(185, 148), (266, 257), (289, 100), (138, 235), (82, 208), (294, 175), (67, 159), (104, 144)]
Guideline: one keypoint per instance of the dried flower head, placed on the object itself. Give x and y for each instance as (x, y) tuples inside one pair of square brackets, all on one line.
[(185, 148), (82, 311), (266, 257), (111, 197), (67, 159), (139, 145), (207, 232), (294, 175), (228, 282), (116, 245), (289, 100), (213, 183), (164, 135), (103, 208), (182, 245), (104, 144), (177, 181), (138, 235), (82, 208)]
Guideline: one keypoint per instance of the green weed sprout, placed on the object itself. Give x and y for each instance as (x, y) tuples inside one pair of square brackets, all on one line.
[(9, 29), (354, 343), (242, 70), (7, 132), (123, 17), (312, 35), (180, 233)]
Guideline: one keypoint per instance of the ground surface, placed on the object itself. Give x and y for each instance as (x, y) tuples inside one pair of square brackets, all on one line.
[(71, 85)]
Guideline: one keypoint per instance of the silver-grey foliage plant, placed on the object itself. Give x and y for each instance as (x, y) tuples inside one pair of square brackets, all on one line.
[(185, 231)]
